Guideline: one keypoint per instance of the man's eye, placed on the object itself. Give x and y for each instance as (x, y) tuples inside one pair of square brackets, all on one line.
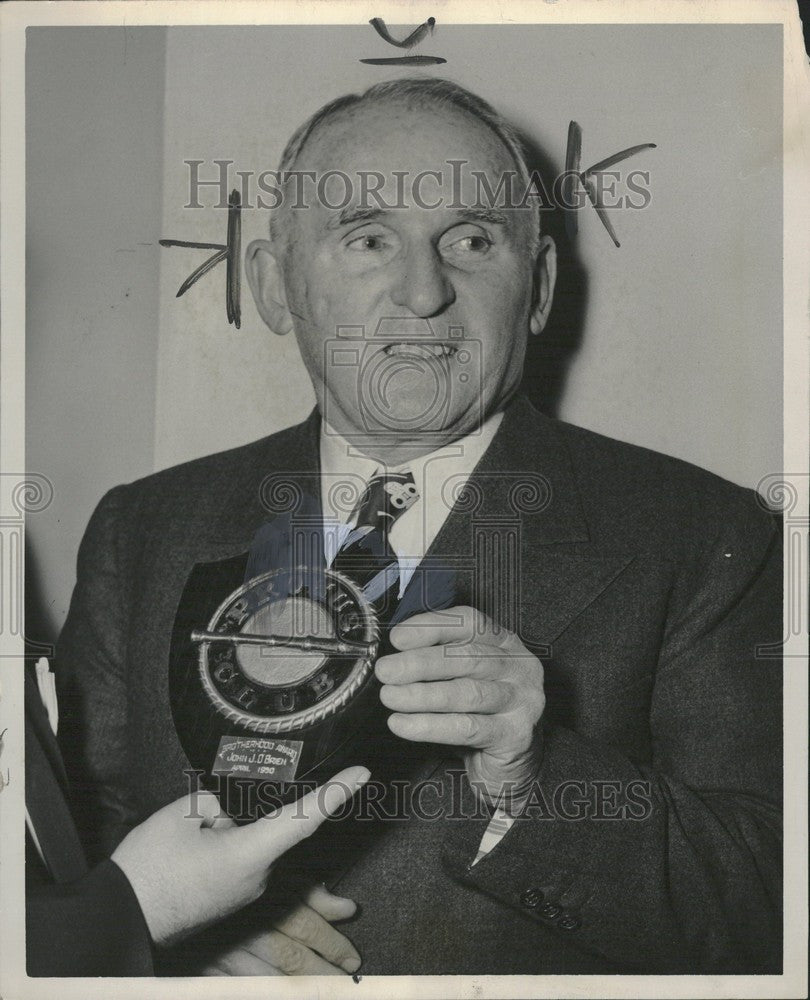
[(475, 244), (367, 241)]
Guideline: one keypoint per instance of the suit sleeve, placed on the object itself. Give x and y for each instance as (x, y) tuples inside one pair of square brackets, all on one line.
[(92, 684), (90, 927), (679, 869)]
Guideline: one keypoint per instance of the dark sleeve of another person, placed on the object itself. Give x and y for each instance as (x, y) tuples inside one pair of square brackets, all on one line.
[(91, 927)]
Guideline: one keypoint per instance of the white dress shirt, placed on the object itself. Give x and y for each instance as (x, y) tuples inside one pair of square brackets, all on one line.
[(439, 478)]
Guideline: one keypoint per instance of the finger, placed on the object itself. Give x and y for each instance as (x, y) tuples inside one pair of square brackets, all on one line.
[(307, 926), (463, 694), (329, 906), (459, 624), (275, 834), (437, 663), (289, 956), (240, 962), (467, 730)]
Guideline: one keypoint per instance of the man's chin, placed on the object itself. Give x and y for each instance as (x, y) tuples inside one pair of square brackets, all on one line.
[(412, 424), (416, 422), (413, 410)]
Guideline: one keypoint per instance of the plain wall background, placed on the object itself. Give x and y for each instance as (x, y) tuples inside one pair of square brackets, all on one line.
[(681, 344), (94, 169)]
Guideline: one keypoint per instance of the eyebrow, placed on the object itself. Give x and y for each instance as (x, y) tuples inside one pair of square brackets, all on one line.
[(490, 215), (350, 215)]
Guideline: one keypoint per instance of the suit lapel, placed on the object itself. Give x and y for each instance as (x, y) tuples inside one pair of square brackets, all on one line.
[(517, 540), (283, 480)]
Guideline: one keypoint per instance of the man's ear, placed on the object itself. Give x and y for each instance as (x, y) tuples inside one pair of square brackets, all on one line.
[(266, 280), (545, 275)]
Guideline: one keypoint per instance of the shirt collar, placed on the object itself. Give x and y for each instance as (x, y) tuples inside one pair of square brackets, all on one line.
[(339, 459)]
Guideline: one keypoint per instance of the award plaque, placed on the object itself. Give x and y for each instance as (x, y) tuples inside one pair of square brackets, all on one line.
[(270, 691)]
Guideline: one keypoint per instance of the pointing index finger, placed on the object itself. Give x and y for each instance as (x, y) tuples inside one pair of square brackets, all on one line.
[(275, 834)]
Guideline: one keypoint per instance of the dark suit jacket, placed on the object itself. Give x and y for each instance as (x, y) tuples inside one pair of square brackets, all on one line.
[(78, 922), (650, 590)]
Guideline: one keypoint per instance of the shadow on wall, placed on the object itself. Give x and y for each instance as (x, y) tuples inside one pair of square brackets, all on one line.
[(549, 355), (40, 630)]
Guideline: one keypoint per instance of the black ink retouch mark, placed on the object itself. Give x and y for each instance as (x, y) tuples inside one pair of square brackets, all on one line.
[(586, 177), (406, 61), (413, 39), (230, 252)]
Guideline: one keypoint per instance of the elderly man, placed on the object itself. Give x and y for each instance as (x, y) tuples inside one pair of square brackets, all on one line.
[(591, 707)]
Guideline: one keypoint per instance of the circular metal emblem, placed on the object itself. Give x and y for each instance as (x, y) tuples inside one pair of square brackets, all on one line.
[(288, 649)]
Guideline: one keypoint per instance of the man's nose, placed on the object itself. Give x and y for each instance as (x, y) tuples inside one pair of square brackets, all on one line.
[(421, 284)]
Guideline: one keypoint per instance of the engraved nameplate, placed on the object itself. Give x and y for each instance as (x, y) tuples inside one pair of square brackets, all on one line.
[(256, 757)]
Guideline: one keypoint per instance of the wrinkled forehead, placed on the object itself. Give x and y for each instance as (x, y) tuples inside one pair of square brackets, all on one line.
[(393, 136)]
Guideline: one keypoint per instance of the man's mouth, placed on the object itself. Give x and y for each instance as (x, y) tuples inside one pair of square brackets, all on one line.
[(419, 350)]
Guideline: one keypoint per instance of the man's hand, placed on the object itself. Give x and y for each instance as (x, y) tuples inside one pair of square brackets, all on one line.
[(190, 865), (460, 680), (301, 943)]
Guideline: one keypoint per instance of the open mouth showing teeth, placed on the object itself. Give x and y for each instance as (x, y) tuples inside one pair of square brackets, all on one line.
[(422, 350)]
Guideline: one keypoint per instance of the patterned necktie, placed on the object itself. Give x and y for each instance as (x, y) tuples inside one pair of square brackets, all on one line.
[(366, 556)]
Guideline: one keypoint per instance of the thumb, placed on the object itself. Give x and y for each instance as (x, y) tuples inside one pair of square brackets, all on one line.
[(273, 835), (330, 906)]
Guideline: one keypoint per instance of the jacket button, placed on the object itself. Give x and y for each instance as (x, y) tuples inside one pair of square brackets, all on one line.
[(532, 898), (550, 911), (569, 922)]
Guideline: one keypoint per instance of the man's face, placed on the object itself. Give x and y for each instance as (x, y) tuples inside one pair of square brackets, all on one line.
[(411, 320)]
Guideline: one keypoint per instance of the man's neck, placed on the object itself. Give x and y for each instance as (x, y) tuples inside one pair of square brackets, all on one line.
[(397, 450)]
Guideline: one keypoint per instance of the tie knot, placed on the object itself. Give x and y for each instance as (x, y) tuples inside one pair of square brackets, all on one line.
[(384, 499)]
